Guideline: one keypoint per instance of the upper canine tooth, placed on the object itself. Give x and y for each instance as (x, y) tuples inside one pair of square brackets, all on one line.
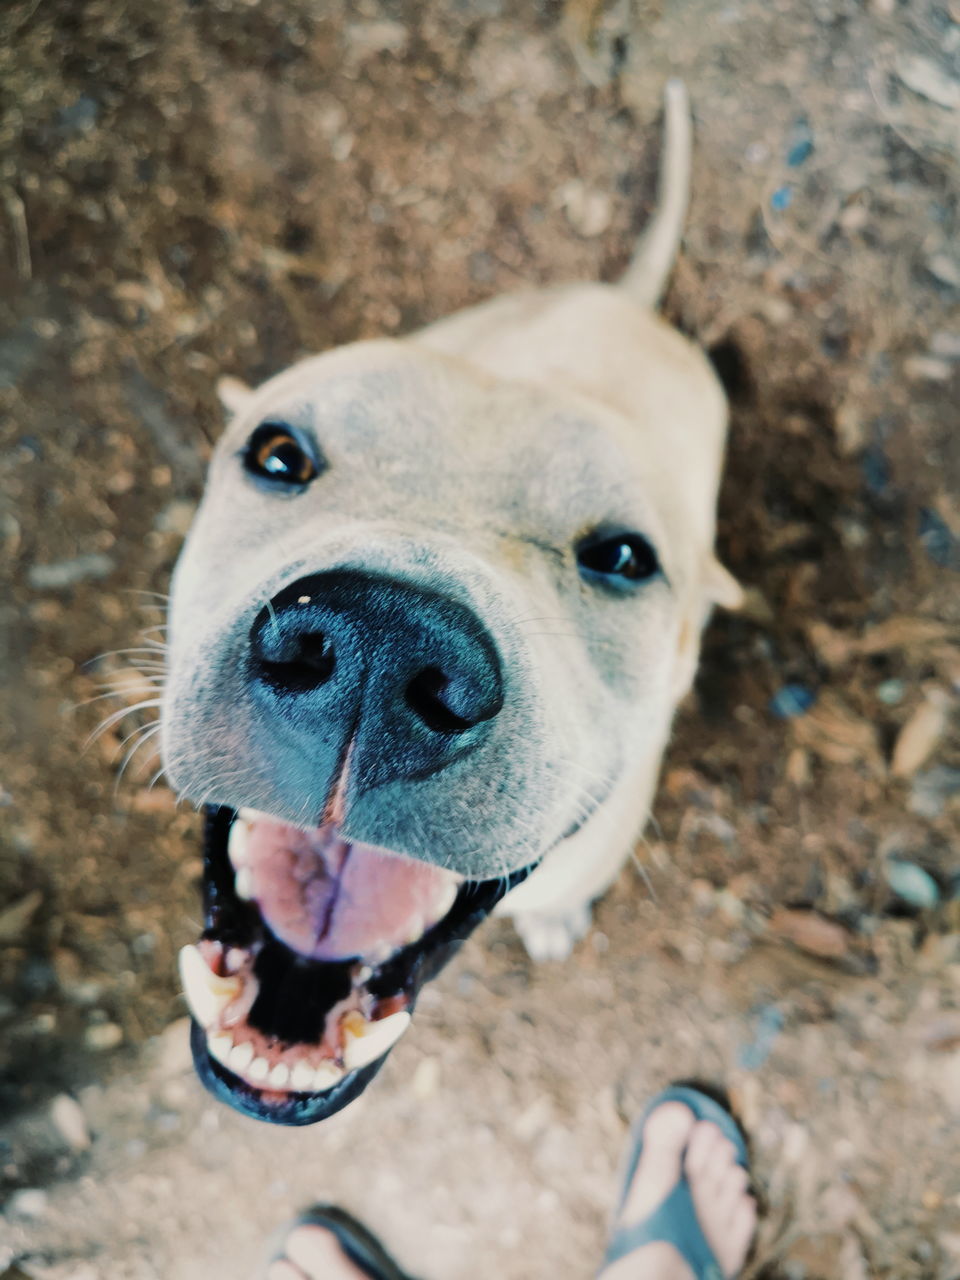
[(445, 901), (237, 842), (243, 883), (364, 1042), (207, 993)]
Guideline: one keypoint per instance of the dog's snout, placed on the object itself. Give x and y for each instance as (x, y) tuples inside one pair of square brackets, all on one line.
[(410, 678)]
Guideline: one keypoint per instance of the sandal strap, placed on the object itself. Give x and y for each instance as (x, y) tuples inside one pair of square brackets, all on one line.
[(674, 1222), (359, 1244)]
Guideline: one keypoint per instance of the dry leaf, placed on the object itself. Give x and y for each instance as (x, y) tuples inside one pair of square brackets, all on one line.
[(837, 734), (811, 932), (921, 735), (15, 920)]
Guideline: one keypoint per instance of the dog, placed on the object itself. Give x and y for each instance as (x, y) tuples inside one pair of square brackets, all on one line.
[(427, 634)]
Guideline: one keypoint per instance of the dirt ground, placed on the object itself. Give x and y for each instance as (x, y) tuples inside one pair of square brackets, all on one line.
[(189, 189)]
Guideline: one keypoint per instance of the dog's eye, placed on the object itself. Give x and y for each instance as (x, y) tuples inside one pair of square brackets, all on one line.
[(628, 557), (274, 453)]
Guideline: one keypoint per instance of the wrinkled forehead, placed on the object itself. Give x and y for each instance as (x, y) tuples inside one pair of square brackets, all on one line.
[(390, 424)]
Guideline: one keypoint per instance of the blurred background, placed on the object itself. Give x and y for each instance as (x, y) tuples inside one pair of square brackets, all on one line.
[(189, 189)]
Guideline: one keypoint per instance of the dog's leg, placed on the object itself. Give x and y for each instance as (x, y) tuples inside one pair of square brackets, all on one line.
[(551, 910)]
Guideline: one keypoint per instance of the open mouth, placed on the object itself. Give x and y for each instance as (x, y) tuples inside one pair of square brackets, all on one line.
[(313, 952)]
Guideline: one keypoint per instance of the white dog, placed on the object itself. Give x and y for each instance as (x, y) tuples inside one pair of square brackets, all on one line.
[(428, 632)]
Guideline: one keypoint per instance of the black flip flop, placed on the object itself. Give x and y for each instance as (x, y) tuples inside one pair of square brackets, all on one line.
[(674, 1221), (359, 1244)]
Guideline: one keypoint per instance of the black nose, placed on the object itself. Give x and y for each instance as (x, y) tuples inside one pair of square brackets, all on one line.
[(410, 678)]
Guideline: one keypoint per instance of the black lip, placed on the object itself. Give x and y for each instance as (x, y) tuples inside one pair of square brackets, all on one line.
[(300, 1109), (230, 921)]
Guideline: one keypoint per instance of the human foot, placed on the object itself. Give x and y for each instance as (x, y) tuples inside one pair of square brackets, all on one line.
[(687, 1213), (328, 1244)]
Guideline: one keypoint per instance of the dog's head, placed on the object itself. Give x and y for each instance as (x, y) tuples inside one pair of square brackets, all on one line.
[(423, 624)]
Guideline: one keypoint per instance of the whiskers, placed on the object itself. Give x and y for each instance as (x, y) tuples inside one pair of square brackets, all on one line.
[(135, 676)]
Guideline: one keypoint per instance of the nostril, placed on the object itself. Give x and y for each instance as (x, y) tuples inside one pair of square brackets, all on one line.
[(298, 662), (448, 705)]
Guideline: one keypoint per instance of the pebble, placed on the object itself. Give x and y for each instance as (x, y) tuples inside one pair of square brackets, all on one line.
[(932, 789), (791, 701), (66, 573), (31, 1202), (69, 1120), (103, 1036), (945, 344), (588, 212), (781, 199), (928, 80), (926, 369), (799, 143), (912, 884), (945, 269), (891, 692)]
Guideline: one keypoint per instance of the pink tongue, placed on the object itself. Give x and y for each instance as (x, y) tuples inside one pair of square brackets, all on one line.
[(328, 899)]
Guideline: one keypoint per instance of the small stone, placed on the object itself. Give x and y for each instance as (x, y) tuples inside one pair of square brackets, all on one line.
[(891, 692), (932, 789), (31, 1202), (781, 199), (103, 1036), (912, 884), (945, 344), (67, 573), (791, 701), (588, 212), (926, 79), (69, 1120), (926, 369)]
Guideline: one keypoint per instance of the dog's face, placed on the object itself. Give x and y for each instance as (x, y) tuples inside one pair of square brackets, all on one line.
[(422, 626)]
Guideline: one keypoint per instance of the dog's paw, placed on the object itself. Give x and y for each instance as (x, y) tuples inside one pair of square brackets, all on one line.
[(552, 937)]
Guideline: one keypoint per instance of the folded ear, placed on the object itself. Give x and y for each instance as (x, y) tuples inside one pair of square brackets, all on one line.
[(234, 394), (717, 587), (721, 587)]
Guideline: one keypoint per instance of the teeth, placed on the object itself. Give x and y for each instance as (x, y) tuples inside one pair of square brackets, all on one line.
[(237, 842), (220, 1047), (207, 994), (279, 1076), (250, 815), (302, 1078), (364, 1042), (258, 1069), (445, 901), (243, 883), (240, 1057), (326, 1075), (416, 929)]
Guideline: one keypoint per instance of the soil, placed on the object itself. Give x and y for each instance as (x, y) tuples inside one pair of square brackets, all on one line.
[(189, 190)]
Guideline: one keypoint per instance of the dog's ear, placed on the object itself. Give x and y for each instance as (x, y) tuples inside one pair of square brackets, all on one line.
[(234, 395), (721, 587), (717, 587)]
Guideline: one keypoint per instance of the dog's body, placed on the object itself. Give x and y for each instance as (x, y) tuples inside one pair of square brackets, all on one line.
[(458, 627)]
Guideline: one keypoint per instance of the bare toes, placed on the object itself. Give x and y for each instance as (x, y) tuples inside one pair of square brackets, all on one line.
[(284, 1270)]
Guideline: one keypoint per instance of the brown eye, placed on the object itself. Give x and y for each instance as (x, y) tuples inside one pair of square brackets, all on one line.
[(624, 558), (274, 453)]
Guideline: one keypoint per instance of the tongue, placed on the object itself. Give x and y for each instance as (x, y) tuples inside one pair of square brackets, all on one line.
[(329, 899)]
